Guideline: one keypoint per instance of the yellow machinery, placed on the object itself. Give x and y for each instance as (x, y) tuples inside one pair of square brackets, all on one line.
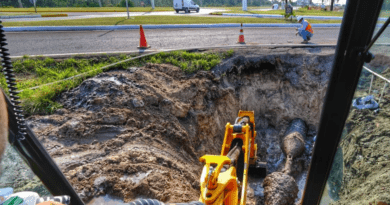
[(224, 177)]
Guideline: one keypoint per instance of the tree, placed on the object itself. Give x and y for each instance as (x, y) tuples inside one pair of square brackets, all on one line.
[(123, 3), (107, 3)]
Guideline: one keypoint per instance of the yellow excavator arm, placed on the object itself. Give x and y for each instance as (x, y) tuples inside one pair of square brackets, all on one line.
[(224, 177)]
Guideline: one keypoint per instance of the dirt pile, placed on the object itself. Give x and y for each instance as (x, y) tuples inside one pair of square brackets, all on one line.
[(361, 171), (365, 171), (140, 132)]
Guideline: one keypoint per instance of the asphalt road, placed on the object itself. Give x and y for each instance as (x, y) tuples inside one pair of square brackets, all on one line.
[(40, 43)]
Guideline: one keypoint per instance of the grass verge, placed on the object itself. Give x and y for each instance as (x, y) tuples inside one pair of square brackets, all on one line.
[(28, 13), (88, 9), (156, 20), (17, 14), (38, 72), (299, 12)]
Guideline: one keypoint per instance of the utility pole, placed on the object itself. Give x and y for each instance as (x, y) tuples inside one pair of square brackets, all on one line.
[(20, 4), (244, 5), (127, 7), (35, 5), (152, 1), (100, 3), (331, 5)]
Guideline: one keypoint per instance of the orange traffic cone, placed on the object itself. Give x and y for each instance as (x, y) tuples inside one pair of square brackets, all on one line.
[(142, 41), (241, 36)]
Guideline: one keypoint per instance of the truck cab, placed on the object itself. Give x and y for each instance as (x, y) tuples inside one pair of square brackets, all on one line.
[(185, 5)]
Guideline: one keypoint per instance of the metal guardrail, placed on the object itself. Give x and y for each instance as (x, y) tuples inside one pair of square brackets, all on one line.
[(376, 74), (372, 80)]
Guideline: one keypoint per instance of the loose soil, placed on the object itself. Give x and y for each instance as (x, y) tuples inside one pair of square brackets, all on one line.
[(138, 133), (361, 169)]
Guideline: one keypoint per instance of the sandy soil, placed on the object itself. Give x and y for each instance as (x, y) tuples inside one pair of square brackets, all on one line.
[(140, 132)]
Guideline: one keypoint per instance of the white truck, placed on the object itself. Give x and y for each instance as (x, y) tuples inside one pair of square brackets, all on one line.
[(185, 5)]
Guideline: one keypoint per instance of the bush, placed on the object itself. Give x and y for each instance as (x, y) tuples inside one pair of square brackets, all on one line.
[(288, 15), (53, 15), (123, 3)]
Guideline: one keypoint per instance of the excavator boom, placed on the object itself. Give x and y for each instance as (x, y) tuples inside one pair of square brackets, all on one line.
[(224, 177)]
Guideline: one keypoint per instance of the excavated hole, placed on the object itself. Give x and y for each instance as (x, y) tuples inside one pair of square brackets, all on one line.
[(140, 132)]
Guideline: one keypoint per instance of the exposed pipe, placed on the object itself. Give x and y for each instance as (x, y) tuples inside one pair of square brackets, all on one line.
[(383, 92), (280, 188), (372, 79)]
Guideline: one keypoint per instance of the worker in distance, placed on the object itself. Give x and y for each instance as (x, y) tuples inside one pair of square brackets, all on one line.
[(306, 31)]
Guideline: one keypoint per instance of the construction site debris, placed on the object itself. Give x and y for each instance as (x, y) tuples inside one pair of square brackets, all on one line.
[(367, 102)]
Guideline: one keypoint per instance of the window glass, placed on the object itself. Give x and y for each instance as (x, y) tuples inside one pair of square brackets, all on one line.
[(139, 133), (361, 169), (17, 175)]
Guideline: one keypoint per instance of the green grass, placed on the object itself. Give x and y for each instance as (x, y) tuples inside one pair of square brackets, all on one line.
[(299, 12), (385, 14), (240, 7), (87, 9), (36, 72), (16, 14), (137, 20), (26, 13)]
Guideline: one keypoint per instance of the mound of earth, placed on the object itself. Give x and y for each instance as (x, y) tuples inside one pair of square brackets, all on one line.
[(140, 132), (361, 171)]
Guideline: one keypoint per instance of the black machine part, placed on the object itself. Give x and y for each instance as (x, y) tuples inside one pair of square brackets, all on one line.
[(239, 123), (25, 142), (359, 16)]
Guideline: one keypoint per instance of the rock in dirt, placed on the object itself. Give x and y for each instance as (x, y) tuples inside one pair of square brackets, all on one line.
[(280, 189)]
